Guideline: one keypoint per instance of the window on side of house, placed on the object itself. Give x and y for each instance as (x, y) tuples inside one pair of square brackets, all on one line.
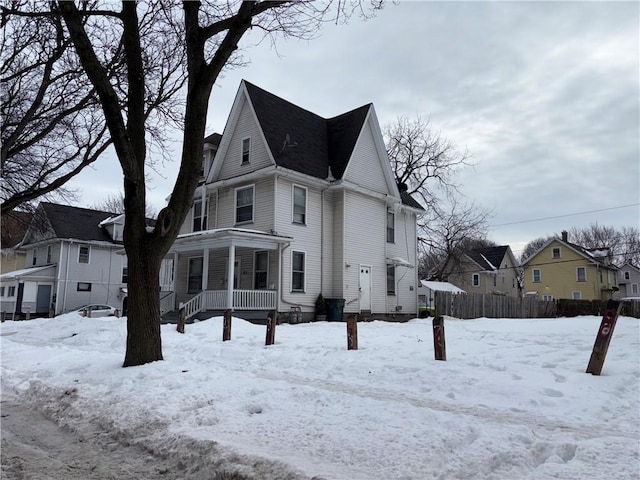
[(475, 279), (1, 291), (581, 274), (555, 253), (536, 275), (49, 253), (246, 150), (199, 216), (576, 295), (261, 270), (547, 298), (83, 253), (299, 205), (634, 288), (125, 274), (627, 275), (391, 226), (11, 292), (194, 275), (83, 287), (244, 204), (34, 260), (297, 271), (391, 279)]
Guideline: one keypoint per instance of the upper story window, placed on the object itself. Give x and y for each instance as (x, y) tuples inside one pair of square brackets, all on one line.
[(626, 275), (536, 275), (297, 271), (391, 226), (634, 288), (1, 291), (581, 274), (244, 204), (199, 216), (83, 254), (125, 274), (475, 280), (555, 253), (246, 150), (299, 205), (35, 257), (49, 253)]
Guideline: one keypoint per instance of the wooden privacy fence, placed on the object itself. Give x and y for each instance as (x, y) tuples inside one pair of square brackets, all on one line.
[(473, 305)]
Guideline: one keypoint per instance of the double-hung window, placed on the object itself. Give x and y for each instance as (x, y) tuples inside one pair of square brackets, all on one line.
[(299, 205), (391, 279), (199, 216), (49, 254), (555, 252), (391, 226), (261, 270), (581, 274), (244, 204), (537, 275), (475, 279), (83, 254), (297, 271)]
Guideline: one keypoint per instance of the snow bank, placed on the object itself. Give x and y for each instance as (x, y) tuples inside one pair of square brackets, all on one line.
[(512, 401)]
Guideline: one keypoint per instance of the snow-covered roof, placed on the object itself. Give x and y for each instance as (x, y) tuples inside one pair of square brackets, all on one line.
[(441, 286), (24, 272)]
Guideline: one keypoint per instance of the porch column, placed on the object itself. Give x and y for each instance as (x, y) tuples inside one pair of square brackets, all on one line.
[(205, 269), (230, 275)]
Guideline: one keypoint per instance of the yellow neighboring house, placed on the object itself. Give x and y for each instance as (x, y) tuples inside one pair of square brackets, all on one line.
[(560, 269)]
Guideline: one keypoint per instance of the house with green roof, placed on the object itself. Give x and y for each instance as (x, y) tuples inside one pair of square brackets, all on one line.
[(293, 205)]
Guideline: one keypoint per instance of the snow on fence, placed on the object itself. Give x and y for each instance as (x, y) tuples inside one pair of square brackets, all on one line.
[(473, 305)]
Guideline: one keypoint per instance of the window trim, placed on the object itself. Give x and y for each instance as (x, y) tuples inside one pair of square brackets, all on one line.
[(293, 204), (189, 276), (256, 271), (391, 275), (246, 152), (125, 274), (578, 269), (2, 289), (547, 298), (203, 218), (253, 203), (576, 295), (391, 229), (303, 271), (88, 255), (49, 253), (634, 288), (475, 279), (533, 275), (11, 291), (83, 287), (553, 252)]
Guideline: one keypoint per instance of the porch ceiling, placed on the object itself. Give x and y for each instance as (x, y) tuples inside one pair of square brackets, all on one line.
[(226, 237)]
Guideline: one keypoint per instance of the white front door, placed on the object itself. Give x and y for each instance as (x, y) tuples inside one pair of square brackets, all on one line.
[(365, 288)]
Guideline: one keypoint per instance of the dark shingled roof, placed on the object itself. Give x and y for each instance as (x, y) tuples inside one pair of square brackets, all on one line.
[(488, 258), (77, 223), (307, 143), (213, 139)]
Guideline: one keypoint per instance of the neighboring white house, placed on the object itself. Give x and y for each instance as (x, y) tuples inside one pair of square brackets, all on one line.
[(427, 289), (74, 257), (295, 205), (490, 270), (629, 281)]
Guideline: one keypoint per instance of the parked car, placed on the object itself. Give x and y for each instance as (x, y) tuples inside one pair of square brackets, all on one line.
[(97, 310)]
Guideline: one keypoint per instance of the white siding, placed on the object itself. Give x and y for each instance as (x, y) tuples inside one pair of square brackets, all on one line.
[(405, 247), (262, 207), (246, 127), (365, 167)]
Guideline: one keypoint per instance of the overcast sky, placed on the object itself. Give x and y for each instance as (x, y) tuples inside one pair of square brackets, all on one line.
[(545, 96)]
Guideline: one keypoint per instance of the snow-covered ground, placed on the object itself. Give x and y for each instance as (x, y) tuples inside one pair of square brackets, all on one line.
[(512, 401)]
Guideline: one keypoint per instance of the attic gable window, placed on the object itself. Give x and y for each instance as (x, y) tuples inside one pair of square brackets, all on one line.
[(246, 150), (475, 280), (555, 253), (244, 204), (299, 205)]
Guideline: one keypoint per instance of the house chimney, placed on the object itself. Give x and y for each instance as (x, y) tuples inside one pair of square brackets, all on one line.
[(565, 236)]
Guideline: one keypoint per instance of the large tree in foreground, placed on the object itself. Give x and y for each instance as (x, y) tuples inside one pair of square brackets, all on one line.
[(204, 37)]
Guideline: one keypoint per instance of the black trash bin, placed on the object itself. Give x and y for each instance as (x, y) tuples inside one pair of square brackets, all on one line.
[(334, 309)]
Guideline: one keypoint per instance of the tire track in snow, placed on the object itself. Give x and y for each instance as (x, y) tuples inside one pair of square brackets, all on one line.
[(505, 417)]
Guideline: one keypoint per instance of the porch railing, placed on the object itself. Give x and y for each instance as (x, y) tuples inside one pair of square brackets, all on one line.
[(242, 300), (167, 302)]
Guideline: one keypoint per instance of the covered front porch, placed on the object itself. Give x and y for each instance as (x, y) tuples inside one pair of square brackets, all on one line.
[(204, 261)]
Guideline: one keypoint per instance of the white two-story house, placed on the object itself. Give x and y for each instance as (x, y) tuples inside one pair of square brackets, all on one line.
[(74, 257), (293, 205)]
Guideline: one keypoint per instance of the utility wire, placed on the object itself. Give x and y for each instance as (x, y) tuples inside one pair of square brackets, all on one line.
[(566, 215)]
